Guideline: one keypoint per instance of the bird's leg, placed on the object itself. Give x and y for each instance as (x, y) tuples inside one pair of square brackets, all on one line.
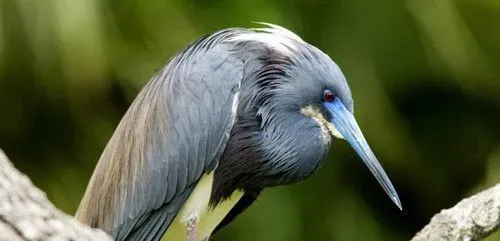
[(191, 228)]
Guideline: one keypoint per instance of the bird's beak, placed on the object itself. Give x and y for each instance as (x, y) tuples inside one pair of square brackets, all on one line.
[(344, 122)]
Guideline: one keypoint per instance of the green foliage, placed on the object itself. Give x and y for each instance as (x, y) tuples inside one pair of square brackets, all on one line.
[(424, 74)]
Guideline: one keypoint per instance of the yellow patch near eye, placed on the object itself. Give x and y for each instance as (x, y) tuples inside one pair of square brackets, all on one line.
[(326, 127)]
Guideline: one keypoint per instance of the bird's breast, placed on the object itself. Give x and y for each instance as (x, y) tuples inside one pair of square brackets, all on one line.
[(198, 206)]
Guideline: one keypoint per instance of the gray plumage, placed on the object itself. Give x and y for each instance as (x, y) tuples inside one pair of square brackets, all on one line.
[(232, 102), (175, 129)]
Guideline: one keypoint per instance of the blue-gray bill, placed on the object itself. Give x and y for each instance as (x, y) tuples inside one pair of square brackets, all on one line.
[(343, 120)]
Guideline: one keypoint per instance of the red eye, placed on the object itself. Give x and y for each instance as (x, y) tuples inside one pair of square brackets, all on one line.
[(329, 96)]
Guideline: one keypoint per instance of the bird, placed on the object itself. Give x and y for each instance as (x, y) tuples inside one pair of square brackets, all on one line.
[(237, 111)]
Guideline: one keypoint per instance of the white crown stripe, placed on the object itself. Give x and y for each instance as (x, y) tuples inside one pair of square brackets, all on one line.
[(275, 36)]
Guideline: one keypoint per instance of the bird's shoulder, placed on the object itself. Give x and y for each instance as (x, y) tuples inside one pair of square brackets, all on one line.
[(174, 131)]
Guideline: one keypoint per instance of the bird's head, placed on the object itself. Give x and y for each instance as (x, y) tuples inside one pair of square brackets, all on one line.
[(303, 85), (330, 104)]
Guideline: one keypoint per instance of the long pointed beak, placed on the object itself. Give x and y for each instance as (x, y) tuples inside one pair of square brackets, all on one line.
[(343, 120)]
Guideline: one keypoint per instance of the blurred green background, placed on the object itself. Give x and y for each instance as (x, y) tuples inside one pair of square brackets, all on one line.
[(424, 73)]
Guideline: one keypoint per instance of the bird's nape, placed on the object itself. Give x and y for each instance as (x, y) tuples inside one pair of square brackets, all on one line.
[(344, 122)]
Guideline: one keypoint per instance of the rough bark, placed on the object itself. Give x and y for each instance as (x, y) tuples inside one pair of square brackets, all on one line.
[(473, 218), (27, 214)]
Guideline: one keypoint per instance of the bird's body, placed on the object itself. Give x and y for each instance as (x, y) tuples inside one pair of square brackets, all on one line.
[(235, 112), (209, 216)]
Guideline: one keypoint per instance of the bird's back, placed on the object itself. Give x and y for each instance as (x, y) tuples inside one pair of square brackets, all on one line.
[(174, 131)]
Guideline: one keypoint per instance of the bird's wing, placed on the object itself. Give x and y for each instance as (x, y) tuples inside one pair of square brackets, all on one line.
[(175, 130)]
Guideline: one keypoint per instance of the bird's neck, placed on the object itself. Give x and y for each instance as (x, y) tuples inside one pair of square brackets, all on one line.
[(294, 145), (280, 153)]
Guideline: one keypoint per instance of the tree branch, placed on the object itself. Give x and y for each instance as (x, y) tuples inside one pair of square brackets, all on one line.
[(473, 218), (27, 214)]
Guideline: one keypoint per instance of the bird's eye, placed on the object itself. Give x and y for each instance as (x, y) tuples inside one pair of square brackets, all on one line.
[(329, 96)]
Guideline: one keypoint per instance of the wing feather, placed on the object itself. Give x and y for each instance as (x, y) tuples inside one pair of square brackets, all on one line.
[(174, 131)]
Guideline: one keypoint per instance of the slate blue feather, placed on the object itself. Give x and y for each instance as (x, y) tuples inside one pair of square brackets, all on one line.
[(235, 112)]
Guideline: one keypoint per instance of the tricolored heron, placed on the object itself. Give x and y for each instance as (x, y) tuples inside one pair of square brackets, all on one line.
[(235, 112)]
